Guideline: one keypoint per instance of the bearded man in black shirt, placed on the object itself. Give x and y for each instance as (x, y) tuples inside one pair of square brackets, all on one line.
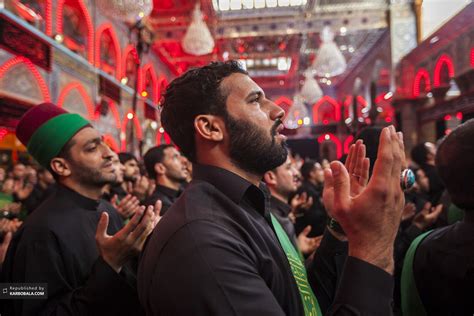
[(219, 251)]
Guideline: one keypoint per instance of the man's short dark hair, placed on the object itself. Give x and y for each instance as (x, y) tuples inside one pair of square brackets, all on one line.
[(196, 92), (124, 157), (455, 164), (419, 154), (152, 157), (307, 167)]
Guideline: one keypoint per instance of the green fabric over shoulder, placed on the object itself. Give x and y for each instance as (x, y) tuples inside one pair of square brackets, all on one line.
[(48, 140)]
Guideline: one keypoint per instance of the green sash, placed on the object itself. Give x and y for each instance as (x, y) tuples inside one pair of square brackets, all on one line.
[(411, 301), (310, 303)]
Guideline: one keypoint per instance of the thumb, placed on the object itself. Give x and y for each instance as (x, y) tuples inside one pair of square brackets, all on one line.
[(341, 186), (7, 239), (158, 205), (101, 232), (306, 231)]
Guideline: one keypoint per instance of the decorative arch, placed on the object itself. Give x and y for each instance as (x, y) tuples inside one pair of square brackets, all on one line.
[(103, 31), (32, 68), (85, 97), (443, 61), (472, 57), (130, 60), (160, 137), (421, 76), (26, 11), (148, 74), (110, 141), (332, 138), (88, 20), (361, 104), (131, 116), (162, 84), (336, 112), (347, 143), (385, 108)]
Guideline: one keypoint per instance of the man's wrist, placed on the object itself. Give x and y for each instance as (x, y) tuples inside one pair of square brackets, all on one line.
[(382, 259)]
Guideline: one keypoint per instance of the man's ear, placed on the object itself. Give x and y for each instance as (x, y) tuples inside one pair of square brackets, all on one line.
[(269, 177), (60, 166), (160, 168), (210, 127)]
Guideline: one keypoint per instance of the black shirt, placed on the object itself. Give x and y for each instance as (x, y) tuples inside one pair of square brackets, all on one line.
[(215, 253), (56, 245), (281, 210), (444, 269), (316, 215), (37, 196), (167, 196)]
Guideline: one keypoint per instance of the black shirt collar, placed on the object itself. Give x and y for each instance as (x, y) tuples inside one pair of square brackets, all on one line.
[(231, 184), (280, 207), (172, 193), (74, 197)]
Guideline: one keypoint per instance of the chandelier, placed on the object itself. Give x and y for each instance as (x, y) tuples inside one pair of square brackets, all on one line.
[(198, 40), (329, 60), (297, 115), (125, 10), (310, 91)]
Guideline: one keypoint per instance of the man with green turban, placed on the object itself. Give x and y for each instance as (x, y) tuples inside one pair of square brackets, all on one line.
[(79, 248)]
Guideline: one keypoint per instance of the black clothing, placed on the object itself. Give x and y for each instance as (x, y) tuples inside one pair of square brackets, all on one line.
[(316, 215), (119, 191), (56, 245), (444, 270), (436, 184), (216, 253), (325, 270), (37, 196), (281, 210), (167, 196)]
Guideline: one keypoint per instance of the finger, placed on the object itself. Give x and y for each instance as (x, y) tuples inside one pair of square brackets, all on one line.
[(426, 208), (310, 201), (355, 156), (157, 208), (306, 231), (341, 187), (397, 159), (114, 200), (7, 238), (359, 161), (147, 221), (364, 175), (101, 231), (384, 161), (328, 179), (132, 224), (435, 211), (304, 196), (349, 157), (402, 150)]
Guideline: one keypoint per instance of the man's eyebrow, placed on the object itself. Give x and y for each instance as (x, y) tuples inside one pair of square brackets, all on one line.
[(254, 93), (96, 140)]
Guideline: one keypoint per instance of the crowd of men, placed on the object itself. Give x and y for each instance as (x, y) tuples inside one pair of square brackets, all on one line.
[(231, 223)]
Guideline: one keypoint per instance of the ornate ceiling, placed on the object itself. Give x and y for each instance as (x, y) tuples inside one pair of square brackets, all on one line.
[(277, 43)]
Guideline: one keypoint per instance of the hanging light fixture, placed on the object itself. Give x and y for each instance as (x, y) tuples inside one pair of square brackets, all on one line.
[(329, 60), (198, 40), (297, 115), (129, 11), (310, 91)]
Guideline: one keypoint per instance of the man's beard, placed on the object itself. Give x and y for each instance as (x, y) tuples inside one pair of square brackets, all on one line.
[(93, 177), (254, 149), (132, 178)]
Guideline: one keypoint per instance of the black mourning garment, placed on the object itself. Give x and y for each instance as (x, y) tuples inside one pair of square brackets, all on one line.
[(215, 253), (444, 269), (281, 210), (167, 196), (56, 245)]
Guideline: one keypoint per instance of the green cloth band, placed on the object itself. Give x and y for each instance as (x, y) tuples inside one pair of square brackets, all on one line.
[(48, 140), (295, 259)]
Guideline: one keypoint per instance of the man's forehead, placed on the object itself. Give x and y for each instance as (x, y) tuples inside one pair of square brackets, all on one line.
[(239, 85), (86, 134)]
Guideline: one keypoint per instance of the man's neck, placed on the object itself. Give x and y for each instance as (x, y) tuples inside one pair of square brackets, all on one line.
[(93, 193), (167, 182), (278, 196)]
